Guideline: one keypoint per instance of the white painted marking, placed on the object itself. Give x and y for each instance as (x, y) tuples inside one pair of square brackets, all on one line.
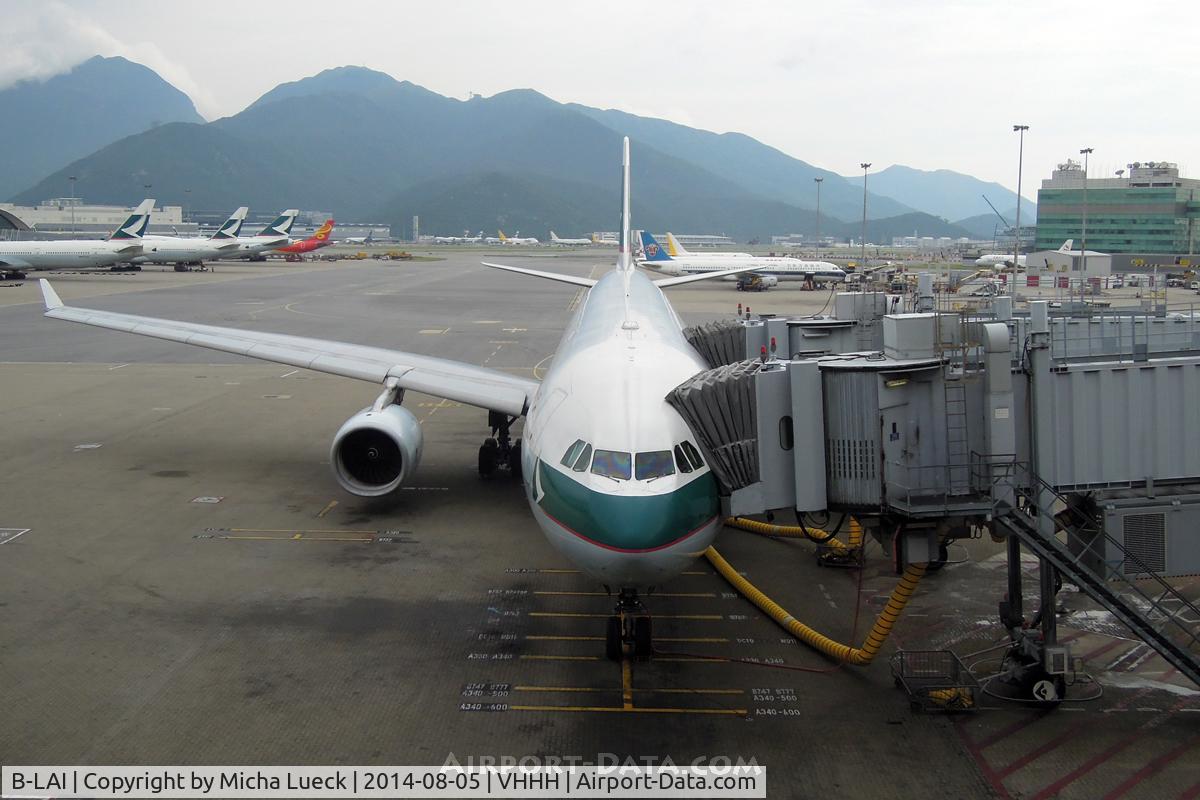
[(289, 374), (487, 322), (433, 331), (8, 534), (90, 446), (118, 366), (207, 499), (514, 330), (160, 408), (233, 383)]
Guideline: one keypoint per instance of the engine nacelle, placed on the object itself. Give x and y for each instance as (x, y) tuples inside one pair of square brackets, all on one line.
[(375, 451)]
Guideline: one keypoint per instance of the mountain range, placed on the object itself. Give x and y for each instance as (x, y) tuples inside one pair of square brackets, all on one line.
[(54, 122), (370, 148)]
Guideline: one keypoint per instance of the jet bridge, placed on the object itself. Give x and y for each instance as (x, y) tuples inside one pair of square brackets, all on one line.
[(1075, 435)]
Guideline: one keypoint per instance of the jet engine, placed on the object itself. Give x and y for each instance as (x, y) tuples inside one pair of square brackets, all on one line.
[(375, 451)]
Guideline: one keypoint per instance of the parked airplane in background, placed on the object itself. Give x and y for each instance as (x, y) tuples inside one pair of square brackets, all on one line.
[(272, 237), (781, 267), (178, 250), (319, 239), (368, 239), (17, 258), (675, 250), (555, 240), (518, 239), (1006, 259), (464, 239), (610, 469)]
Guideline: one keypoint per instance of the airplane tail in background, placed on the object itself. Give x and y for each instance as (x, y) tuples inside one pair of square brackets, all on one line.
[(652, 249), (503, 238), (135, 226), (322, 233), (625, 253), (282, 225), (231, 227), (674, 247), (553, 236), (1066, 246)]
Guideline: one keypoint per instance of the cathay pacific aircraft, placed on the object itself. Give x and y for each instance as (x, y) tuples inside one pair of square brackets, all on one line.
[(177, 250), (125, 243), (611, 471)]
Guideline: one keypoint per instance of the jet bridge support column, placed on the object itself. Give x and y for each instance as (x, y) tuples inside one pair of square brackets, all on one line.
[(1041, 433)]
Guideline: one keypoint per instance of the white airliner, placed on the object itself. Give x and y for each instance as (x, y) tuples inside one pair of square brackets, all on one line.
[(675, 250), (780, 267), (274, 236), (518, 239), (611, 470), (368, 239), (17, 258), (177, 250), (555, 240)]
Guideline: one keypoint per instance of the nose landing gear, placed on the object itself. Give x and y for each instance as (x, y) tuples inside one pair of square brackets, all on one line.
[(499, 451), (629, 625)]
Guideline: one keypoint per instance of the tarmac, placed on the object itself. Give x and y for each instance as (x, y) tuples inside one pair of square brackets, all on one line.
[(183, 582)]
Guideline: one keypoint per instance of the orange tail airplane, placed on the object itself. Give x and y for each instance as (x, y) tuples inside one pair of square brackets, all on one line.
[(319, 239)]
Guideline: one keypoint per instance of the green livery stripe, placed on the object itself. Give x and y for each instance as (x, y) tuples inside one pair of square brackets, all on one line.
[(627, 523)]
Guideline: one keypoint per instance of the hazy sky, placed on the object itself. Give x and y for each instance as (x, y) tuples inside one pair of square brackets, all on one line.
[(927, 84)]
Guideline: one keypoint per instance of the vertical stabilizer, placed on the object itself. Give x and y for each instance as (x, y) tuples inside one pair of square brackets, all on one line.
[(674, 248), (281, 225), (1066, 246), (135, 226), (231, 227), (625, 255)]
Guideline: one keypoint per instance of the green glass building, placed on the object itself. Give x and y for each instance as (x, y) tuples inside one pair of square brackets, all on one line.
[(1146, 209)]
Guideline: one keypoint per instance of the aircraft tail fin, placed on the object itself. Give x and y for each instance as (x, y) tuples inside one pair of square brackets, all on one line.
[(674, 247), (322, 233), (652, 249), (1066, 246), (503, 238), (231, 227), (281, 225), (625, 253), (553, 236), (135, 226)]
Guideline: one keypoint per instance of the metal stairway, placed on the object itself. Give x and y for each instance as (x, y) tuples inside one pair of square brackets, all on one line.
[(1159, 617)]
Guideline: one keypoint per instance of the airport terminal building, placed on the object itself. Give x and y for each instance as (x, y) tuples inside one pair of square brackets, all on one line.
[(70, 217), (1148, 209)]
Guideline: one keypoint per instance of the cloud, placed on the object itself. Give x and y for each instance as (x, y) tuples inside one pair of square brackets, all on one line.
[(44, 38)]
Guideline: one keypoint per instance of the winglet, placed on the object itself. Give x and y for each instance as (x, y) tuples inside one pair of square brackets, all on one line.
[(50, 296)]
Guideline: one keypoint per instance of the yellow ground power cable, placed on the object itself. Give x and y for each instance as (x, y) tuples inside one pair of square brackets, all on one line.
[(857, 656), (855, 538)]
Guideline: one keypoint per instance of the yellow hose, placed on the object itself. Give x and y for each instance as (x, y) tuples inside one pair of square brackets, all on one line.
[(857, 656), (802, 532)]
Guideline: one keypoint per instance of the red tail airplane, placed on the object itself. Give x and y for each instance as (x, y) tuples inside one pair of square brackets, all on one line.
[(319, 239)]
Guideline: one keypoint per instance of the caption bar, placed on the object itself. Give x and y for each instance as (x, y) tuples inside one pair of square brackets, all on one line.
[(377, 782)]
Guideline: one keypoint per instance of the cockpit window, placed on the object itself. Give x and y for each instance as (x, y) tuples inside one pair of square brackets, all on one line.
[(655, 464), (682, 460), (584, 459), (693, 455), (572, 453), (612, 464)]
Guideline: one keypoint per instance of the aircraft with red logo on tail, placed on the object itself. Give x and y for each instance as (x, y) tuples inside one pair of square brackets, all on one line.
[(319, 239)]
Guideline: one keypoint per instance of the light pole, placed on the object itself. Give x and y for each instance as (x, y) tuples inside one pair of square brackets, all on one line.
[(71, 178), (817, 181), (1020, 168), (1085, 152), (187, 196), (865, 166)]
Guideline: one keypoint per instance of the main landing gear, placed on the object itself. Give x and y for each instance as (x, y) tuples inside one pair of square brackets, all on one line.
[(499, 451), (629, 625)]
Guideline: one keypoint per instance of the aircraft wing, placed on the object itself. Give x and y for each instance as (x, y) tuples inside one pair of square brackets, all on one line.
[(14, 263), (701, 276), (537, 273), (453, 380), (230, 245)]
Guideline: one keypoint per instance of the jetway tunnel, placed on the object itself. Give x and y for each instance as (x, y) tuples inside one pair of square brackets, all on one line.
[(1075, 436)]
